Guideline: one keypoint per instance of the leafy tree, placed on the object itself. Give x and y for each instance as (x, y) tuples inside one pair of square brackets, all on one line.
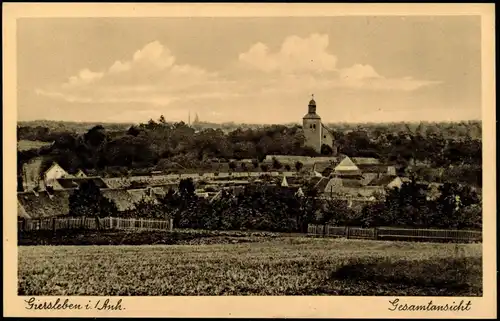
[(143, 146), (133, 131), (88, 201), (326, 150), (146, 208), (186, 188), (95, 136), (298, 166), (264, 167), (277, 164)]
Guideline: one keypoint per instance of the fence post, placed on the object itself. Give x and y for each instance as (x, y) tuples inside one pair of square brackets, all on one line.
[(171, 224), (54, 225), (375, 233), (324, 230), (347, 232)]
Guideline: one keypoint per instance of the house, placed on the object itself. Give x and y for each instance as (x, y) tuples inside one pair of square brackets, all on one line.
[(124, 201), (365, 161), (76, 182), (31, 173), (21, 212), (348, 187), (305, 160), (43, 204), (387, 181), (378, 168), (80, 174), (319, 184), (299, 192), (40, 174), (51, 175), (346, 167)]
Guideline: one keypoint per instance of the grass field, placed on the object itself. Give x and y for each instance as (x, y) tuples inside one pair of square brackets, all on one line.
[(30, 144), (281, 266)]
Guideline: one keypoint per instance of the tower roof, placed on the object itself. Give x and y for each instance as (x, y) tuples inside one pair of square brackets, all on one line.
[(311, 112), (311, 116)]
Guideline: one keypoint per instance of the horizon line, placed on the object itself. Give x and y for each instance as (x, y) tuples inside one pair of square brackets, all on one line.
[(249, 123)]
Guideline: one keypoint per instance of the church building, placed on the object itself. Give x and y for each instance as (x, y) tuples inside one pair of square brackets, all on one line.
[(316, 134)]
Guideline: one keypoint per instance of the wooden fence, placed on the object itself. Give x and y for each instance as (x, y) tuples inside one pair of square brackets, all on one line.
[(390, 233), (90, 223)]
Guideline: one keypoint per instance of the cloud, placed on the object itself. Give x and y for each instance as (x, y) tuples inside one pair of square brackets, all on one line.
[(296, 55), (152, 76), (365, 77), (314, 67), (359, 72)]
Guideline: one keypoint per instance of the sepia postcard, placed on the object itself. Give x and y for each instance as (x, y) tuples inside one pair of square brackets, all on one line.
[(249, 160)]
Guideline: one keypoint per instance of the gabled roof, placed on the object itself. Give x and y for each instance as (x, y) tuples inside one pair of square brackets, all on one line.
[(74, 182), (352, 183), (21, 212), (80, 173), (346, 165), (383, 180), (320, 183), (321, 166), (373, 168), (43, 204), (142, 194), (123, 200), (53, 165), (362, 192), (327, 129), (368, 177), (365, 160)]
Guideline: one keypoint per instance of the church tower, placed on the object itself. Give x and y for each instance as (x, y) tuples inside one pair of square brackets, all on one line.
[(311, 124)]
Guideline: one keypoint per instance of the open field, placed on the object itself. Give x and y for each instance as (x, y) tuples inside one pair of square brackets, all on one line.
[(266, 266), (30, 144)]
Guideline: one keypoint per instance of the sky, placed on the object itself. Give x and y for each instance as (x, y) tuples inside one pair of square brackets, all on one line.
[(249, 70)]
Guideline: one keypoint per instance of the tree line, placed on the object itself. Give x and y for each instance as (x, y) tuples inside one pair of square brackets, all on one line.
[(158, 145), (273, 208)]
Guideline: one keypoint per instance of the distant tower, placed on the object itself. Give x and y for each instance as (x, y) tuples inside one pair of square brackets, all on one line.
[(189, 118), (196, 119), (312, 127)]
